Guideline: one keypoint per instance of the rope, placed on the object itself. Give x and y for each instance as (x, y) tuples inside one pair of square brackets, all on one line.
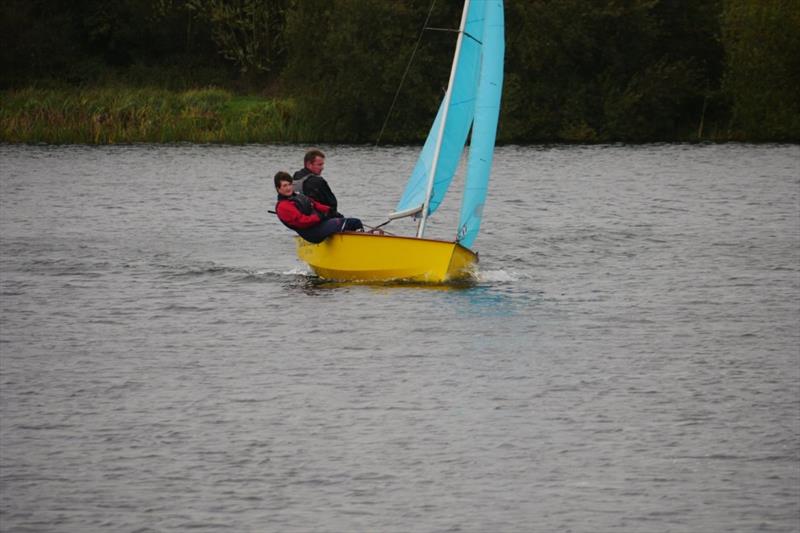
[(408, 67), (377, 229)]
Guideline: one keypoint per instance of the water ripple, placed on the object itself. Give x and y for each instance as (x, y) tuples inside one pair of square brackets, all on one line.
[(629, 343)]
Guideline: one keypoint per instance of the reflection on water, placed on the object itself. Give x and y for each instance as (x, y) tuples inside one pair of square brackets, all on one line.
[(452, 285)]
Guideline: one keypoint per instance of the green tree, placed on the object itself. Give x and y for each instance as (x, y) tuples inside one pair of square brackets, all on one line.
[(762, 76), (38, 39), (150, 42), (347, 59), (247, 32), (629, 70), (632, 70), (89, 42)]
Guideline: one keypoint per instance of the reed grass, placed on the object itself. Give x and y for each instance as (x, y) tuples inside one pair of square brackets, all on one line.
[(113, 115)]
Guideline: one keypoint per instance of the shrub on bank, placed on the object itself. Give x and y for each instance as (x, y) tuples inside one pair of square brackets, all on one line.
[(112, 115)]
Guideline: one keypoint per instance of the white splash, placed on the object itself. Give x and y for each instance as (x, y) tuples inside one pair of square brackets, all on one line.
[(496, 276)]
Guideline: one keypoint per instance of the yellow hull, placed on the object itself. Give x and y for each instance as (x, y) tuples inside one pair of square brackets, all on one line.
[(368, 257)]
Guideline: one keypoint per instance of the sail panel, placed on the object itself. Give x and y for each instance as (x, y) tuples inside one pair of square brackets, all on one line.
[(459, 119), (484, 129)]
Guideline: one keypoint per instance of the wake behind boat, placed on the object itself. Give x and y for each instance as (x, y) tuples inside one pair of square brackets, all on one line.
[(471, 102)]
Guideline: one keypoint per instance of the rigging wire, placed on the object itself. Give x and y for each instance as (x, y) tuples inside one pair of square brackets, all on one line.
[(408, 67)]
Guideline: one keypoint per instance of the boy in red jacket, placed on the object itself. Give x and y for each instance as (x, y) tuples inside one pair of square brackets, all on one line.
[(309, 218)]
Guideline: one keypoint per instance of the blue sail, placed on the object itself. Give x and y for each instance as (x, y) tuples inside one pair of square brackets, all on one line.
[(459, 119), (484, 129)]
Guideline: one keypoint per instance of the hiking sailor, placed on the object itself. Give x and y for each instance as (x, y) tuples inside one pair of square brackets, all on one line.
[(312, 220)]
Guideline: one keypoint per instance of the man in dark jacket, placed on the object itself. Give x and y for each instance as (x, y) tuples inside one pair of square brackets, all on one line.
[(309, 181), (312, 220)]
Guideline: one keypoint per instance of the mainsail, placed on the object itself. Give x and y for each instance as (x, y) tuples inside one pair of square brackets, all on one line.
[(473, 94), (459, 108)]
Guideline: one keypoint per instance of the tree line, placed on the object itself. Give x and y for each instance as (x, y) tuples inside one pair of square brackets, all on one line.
[(575, 70)]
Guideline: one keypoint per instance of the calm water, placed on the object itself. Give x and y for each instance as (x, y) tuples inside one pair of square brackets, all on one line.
[(627, 360)]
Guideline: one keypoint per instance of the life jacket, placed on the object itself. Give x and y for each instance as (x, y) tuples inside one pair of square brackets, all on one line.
[(303, 204), (297, 183), (318, 232), (318, 188)]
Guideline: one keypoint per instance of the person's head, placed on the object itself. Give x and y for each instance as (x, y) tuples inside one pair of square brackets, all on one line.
[(283, 183), (314, 161)]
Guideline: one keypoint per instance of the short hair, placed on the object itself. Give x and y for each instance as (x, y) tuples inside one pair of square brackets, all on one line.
[(280, 177), (312, 154)]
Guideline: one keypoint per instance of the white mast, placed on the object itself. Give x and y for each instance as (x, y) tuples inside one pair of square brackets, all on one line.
[(440, 134)]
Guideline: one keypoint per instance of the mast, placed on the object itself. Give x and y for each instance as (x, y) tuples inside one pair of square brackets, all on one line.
[(440, 133)]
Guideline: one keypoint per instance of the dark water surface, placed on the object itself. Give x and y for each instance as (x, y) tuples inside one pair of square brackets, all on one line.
[(627, 360)]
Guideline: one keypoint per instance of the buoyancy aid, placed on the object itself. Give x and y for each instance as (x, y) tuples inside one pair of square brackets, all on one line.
[(303, 204), (297, 185), (317, 188), (300, 178)]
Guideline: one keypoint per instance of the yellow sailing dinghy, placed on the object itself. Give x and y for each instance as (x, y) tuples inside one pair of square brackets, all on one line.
[(472, 101)]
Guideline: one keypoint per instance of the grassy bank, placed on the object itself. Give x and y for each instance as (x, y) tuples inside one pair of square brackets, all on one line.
[(114, 115)]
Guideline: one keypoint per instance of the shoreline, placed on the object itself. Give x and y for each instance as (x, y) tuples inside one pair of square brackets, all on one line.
[(119, 115)]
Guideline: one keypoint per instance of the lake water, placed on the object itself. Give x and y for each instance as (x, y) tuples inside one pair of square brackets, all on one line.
[(628, 358)]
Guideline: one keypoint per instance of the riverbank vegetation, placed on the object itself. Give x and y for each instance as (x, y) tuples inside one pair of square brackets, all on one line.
[(117, 115), (91, 71)]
